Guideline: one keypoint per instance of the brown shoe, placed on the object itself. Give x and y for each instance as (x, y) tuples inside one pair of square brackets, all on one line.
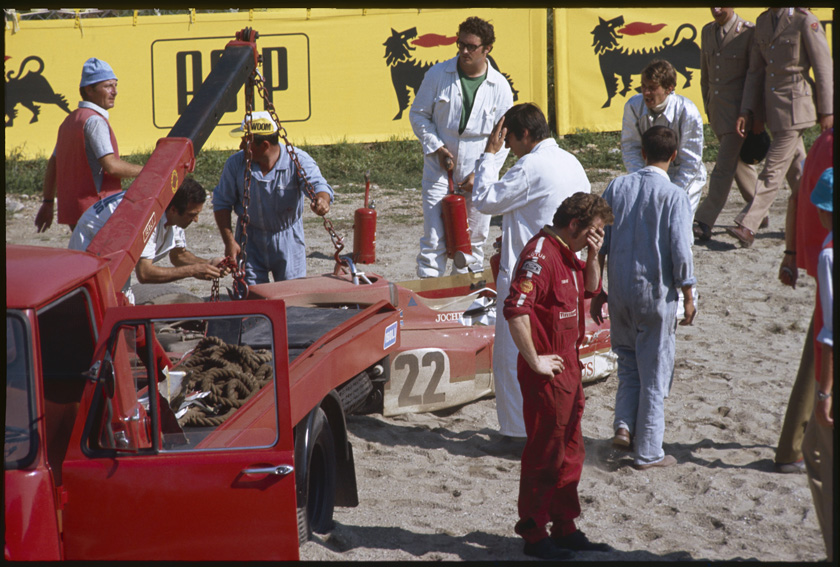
[(765, 223), (622, 440), (702, 231), (666, 461), (744, 235)]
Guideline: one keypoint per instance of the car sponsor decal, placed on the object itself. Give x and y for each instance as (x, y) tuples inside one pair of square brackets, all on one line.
[(390, 336)]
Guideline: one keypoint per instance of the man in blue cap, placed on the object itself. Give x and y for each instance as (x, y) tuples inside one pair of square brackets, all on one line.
[(85, 165), (818, 445)]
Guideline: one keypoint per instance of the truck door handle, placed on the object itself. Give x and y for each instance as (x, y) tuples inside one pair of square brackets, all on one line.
[(281, 470)]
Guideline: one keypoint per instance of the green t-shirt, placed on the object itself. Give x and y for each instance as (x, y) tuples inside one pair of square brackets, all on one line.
[(469, 86)]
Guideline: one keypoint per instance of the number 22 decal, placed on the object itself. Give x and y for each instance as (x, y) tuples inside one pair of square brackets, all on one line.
[(434, 366)]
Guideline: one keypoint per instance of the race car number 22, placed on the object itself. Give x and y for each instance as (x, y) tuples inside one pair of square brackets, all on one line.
[(427, 368)]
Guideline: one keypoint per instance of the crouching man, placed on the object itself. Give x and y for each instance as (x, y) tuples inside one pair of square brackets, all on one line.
[(545, 313), (167, 240)]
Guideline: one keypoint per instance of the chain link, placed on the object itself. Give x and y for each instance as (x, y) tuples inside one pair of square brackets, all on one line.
[(338, 241), (238, 268), (239, 285)]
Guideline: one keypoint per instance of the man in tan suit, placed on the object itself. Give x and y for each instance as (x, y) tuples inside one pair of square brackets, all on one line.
[(788, 43), (726, 44)]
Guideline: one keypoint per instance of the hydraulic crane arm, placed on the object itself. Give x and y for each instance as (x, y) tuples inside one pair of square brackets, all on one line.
[(126, 233)]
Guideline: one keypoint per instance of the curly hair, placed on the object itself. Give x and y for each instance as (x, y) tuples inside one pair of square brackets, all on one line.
[(479, 27), (585, 207), (190, 192), (660, 72)]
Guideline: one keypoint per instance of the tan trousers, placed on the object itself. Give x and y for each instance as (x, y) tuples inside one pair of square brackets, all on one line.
[(784, 159), (727, 167), (818, 448), (800, 405)]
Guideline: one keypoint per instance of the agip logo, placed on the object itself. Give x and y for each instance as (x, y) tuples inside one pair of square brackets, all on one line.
[(179, 67)]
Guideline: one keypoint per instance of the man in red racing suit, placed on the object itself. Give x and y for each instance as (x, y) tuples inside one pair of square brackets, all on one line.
[(545, 312)]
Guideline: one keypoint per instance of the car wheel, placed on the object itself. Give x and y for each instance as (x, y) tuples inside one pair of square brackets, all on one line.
[(315, 475)]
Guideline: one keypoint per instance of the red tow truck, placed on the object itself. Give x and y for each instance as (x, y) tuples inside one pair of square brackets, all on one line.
[(206, 431), (213, 431)]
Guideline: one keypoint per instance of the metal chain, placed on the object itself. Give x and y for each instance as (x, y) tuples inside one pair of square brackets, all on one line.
[(337, 240), (237, 266), (239, 285)]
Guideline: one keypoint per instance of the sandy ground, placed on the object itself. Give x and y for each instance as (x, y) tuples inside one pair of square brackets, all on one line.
[(444, 486)]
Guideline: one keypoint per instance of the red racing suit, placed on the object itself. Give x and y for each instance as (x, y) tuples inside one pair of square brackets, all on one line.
[(548, 286), (76, 188)]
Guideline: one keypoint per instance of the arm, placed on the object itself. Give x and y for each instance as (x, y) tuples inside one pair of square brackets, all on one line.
[(788, 272), (119, 168), (824, 408), (596, 306), (223, 221), (704, 68), (752, 101), (631, 138), (547, 364), (691, 145), (323, 192), (819, 55), (44, 218), (225, 198), (592, 271), (421, 114), (147, 272), (681, 255)]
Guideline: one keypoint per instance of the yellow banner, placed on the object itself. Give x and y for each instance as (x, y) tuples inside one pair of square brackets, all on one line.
[(333, 75), (600, 53)]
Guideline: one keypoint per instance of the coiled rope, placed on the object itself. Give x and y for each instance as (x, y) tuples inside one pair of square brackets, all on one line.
[(231, 374)]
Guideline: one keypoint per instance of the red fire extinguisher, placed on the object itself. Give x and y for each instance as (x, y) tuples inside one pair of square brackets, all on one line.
[(364, 229), (455, 227)]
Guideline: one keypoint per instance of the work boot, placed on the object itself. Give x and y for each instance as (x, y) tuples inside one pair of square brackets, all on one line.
[(577, 541)]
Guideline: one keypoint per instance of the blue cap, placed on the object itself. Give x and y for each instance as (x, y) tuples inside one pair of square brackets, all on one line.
[(823, 194), (95, 71)]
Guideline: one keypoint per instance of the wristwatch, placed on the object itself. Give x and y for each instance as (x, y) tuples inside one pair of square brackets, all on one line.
[(823, 397)]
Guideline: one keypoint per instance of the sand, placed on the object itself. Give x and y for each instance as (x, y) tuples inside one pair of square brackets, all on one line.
[(444, 486)]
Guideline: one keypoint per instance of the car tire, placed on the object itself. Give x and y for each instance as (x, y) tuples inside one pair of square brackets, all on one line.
[(162, 294), (315, 475)]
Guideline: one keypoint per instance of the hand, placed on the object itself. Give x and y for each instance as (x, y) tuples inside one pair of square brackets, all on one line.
[(232, 250), (826, 122), (44, 218), (824, 413), (594, 240), (447, 161), (467, 184), (548, 365), (497, 139), (223, 270), (690, 311), (596, 308), (321, 205), (205, 272), (741, 125), (788, 272)]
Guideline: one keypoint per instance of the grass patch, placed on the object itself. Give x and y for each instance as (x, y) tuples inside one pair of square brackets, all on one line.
[(394, 165)]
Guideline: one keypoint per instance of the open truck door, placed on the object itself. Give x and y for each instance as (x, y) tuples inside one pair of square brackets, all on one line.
[(183, 448)]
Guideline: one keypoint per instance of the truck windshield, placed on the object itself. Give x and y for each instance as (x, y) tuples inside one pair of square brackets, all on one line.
[(19, 449)]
